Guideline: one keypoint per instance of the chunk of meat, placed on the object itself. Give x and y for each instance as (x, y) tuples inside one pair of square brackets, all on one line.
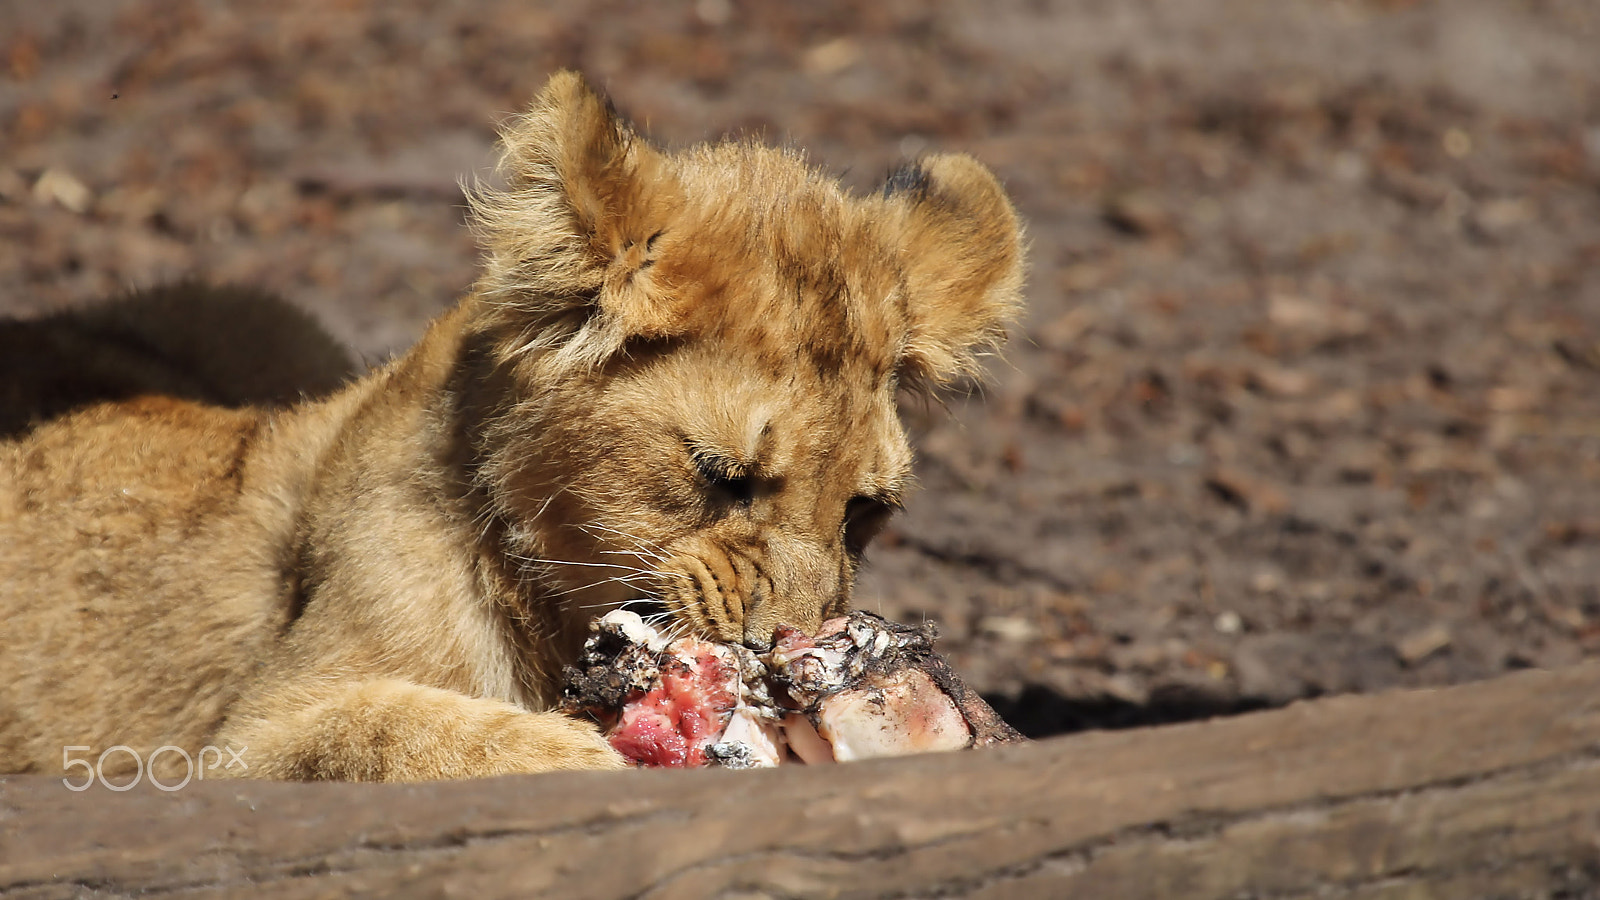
[(686, 711), (899, 713)]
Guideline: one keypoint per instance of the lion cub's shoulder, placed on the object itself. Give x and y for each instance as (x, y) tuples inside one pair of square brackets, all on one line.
[(132, 458)]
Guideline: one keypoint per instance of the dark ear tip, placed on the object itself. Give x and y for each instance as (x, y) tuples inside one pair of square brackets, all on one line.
[(910, 178), (956, 180)]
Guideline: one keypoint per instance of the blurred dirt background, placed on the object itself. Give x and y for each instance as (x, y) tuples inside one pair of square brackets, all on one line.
[(1308, 395)]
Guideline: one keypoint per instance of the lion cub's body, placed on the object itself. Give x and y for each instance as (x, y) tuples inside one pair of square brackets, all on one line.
[(676, 381)]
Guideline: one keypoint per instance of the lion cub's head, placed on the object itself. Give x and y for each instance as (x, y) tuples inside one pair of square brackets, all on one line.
[(694, 360)]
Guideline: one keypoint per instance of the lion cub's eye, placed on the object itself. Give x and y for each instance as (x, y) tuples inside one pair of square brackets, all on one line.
[(864, 517), (725, 477)]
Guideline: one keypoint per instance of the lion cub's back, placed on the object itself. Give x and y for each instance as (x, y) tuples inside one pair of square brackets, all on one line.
[(136, 580), (224, 345)]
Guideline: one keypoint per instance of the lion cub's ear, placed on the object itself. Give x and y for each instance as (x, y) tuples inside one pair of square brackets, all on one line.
[(585, 199), (963, 250)]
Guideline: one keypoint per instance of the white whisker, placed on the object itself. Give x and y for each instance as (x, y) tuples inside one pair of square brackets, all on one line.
[(640, 544), (619, 603)]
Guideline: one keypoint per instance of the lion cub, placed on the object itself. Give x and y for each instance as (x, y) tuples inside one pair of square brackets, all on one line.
[(674, 383)]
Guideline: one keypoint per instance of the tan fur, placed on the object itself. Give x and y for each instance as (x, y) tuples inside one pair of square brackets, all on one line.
[(676, 379)]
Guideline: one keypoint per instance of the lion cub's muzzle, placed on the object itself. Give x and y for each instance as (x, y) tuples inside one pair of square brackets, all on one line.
[(741, 597)]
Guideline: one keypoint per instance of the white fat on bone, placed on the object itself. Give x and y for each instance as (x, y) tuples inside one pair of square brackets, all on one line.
[(750, 741), (903, 713)]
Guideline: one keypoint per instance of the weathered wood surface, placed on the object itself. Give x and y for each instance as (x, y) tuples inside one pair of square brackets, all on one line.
[(1486, 790)]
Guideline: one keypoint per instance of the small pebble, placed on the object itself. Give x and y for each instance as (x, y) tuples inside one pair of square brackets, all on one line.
[(1419, 645), (1009, 628)]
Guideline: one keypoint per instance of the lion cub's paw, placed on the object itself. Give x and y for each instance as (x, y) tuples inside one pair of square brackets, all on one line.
[(393, 730), (548, 742)]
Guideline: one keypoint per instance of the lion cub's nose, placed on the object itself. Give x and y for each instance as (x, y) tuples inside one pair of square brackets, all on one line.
[(758, 634), (763, 622), (760, 624)]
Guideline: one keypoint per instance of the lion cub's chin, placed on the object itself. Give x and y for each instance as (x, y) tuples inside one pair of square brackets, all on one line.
[(676, 378)]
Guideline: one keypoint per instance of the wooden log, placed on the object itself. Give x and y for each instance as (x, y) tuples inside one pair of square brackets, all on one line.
[(1485, 790)]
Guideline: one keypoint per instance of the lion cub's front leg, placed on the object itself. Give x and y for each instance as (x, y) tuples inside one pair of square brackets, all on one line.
[(394, 730)]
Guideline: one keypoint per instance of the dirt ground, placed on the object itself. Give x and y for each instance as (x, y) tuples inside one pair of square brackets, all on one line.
[(1307, 399)]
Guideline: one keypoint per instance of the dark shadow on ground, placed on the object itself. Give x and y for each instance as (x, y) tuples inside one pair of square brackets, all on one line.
[(1039, 711)]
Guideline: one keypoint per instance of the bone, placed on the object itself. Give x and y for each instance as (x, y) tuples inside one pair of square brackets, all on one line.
[(862, 688)]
